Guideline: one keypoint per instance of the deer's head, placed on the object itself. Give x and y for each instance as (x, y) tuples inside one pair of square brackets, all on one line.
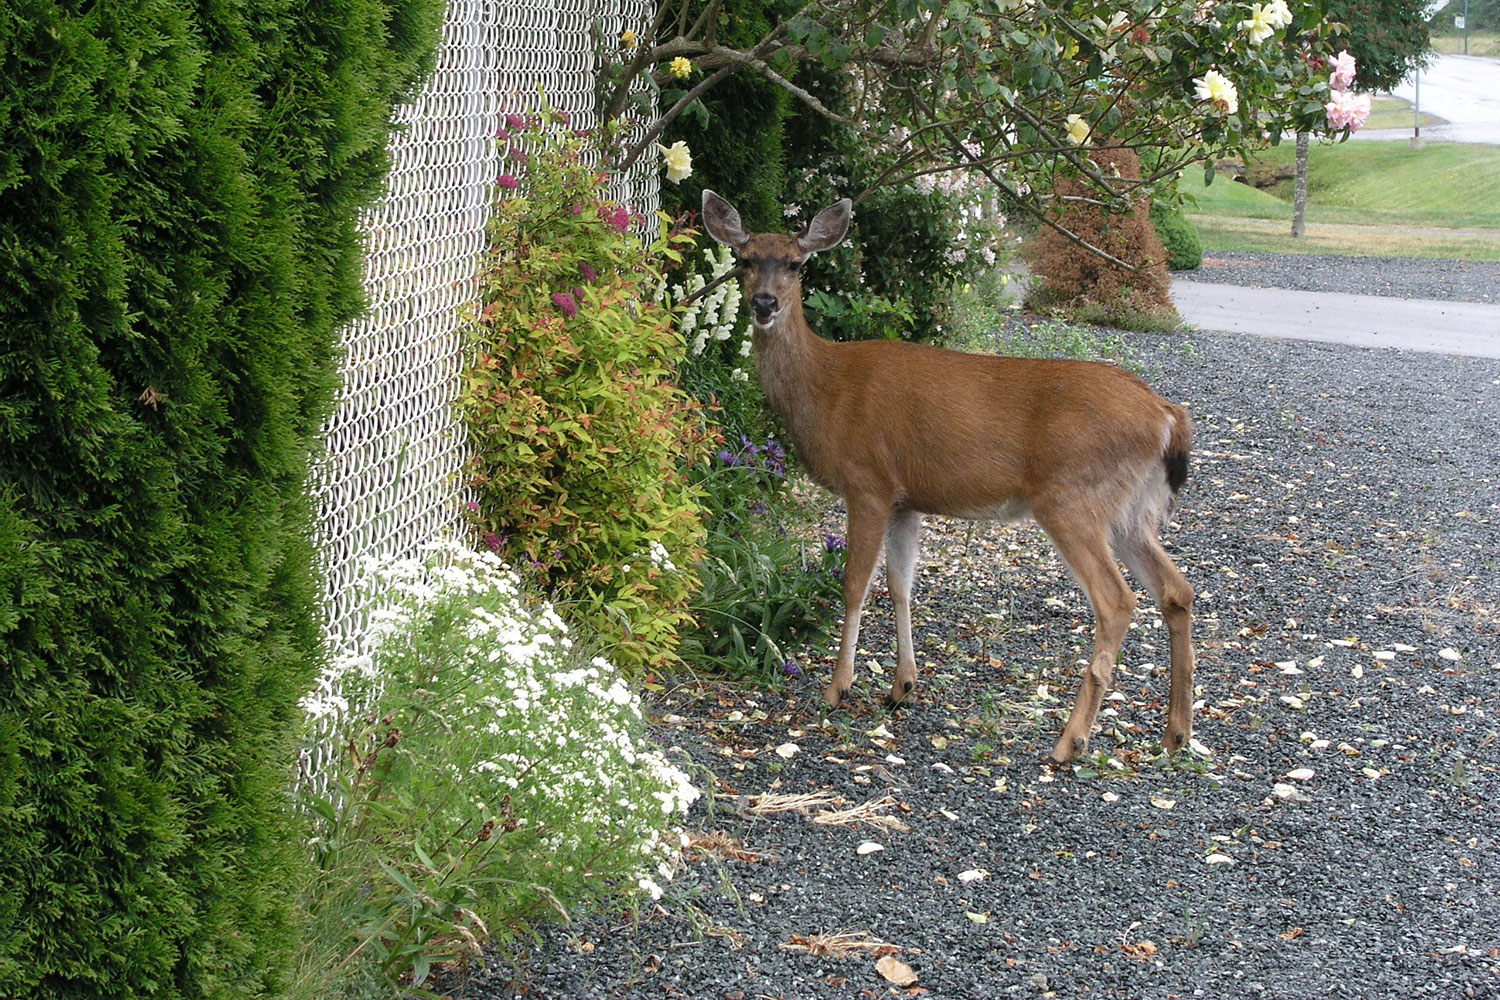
[(771, 263)]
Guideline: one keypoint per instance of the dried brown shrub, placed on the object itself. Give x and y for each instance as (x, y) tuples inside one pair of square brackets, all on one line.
[(1072, 276)]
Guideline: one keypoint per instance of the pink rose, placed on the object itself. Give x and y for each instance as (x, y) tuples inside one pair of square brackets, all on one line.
[(1342, 71), (1347, 110)]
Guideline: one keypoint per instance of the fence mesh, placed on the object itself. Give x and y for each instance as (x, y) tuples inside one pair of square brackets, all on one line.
[(389, 479)]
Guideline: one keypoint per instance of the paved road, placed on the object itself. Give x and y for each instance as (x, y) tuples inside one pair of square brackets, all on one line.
[(1464, 90), (1368, 320)]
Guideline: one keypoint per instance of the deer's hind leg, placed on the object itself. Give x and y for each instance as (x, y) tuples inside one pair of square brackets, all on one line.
[(1150, 564), (1084, 546), (903, 536)]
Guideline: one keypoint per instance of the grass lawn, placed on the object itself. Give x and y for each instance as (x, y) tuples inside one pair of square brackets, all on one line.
[(1481, 43), (1364, 198), (1395, 112)]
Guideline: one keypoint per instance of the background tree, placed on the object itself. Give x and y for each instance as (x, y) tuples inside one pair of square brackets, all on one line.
[(1000, 88), (1388, 39)]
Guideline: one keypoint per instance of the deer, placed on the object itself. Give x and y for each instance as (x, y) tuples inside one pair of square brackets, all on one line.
[(901, 430)]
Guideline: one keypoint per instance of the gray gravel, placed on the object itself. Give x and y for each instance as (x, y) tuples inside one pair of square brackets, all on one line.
[(1405, 278), (1340, 526)]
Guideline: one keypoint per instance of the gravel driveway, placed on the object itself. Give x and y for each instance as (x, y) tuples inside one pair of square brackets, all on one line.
[(1336, 839)]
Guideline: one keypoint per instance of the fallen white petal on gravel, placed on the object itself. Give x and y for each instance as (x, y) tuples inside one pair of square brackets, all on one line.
[(1218, 859), (1301, 774), (1450, 654), (788, 750), (972, 875), (868, 847)]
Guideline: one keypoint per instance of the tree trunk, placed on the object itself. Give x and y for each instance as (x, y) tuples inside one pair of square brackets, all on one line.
[(1299, 188)]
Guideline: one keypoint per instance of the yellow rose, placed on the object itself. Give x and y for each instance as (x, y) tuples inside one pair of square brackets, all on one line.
[(629, 40), (1078, 130), (677, 159), (680, 67)]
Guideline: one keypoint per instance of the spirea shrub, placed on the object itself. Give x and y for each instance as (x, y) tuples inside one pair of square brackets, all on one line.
[(581, 440), (500, 776)]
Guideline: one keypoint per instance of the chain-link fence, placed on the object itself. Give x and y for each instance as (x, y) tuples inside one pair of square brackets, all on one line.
[(390, 479)]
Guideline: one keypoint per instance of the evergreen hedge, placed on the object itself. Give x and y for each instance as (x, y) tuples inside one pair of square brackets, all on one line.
[(178, 191)]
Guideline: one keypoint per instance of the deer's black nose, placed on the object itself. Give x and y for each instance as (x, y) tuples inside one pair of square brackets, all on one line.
[(763, 304)]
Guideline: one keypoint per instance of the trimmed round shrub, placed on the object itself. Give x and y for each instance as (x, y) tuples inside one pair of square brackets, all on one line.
[(1178, 235)]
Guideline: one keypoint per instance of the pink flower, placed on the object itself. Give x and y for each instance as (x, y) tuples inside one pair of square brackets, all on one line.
[(589, 274), (1342, 71), (515, 121), (492, 540), (1347, 110), (473, 507), (615, 217), (566, 303), (508, 182)]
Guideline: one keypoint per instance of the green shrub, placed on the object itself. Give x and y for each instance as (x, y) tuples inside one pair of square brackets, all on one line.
[(501, 778), (179, 191), (581, 441), (911, 245), (735, 132), (1178, 235), (768, 586)]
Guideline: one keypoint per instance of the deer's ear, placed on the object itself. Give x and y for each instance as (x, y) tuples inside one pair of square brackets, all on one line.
[(827, 229), (722, 221)]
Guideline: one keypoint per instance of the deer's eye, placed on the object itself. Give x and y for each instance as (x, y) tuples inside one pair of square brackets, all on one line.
[(794, 266)]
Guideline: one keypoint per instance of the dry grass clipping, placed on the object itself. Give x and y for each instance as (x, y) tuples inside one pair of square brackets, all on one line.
[(868, 813), (721, 844), (841, 944), (804, 803)]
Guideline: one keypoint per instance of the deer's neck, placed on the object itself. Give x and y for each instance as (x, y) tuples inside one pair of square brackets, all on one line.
[(792, 362)]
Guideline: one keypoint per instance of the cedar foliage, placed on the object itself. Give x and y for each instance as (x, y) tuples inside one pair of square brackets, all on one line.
[(1071, 275), (179, 185)]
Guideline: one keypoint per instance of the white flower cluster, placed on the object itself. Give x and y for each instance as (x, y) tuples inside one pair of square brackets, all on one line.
[(562, 744), (715, 315)]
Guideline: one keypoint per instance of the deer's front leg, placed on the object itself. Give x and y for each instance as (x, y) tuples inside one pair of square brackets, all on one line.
[(866, 530)]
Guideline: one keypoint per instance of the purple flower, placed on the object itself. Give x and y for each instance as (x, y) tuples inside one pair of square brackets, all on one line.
[(833, 543), (589, 274), (508, 182), (725, 458), (492, 540), (517, 154), (566, 303), (791, 668), (514, 121), (473, 507)]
